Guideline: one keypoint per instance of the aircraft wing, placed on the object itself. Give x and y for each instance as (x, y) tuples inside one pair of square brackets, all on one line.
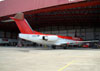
[(87, 41), (76, 42)]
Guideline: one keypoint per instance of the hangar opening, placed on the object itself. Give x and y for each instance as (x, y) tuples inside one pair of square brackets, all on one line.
[(82, 21)]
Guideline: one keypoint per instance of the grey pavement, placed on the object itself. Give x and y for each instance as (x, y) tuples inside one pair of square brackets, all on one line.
[(46, 59)]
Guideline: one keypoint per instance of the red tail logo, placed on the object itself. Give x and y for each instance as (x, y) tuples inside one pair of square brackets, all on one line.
[(23, 24)]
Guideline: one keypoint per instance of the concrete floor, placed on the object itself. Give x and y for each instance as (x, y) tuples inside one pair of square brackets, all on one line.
[(33, 59)]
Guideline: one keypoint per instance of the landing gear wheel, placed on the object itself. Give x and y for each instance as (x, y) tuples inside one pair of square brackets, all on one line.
[(64, 47), (54, 47)]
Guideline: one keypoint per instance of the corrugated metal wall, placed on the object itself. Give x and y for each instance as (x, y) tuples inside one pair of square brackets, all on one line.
[(9, 7)]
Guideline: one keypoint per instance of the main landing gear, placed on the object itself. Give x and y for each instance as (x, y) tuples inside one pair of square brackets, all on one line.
[(63, 46), (53, 46)]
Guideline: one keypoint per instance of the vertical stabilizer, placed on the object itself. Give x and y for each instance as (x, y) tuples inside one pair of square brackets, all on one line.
[(22, 24)]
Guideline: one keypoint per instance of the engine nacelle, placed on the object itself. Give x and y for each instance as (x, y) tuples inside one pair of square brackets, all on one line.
[(49, 38)]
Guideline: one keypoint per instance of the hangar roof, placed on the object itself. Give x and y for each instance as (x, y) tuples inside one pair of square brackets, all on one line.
[(8, 7), (86, 12)]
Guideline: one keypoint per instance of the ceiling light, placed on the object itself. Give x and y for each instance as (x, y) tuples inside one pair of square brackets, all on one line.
[(1, 0)]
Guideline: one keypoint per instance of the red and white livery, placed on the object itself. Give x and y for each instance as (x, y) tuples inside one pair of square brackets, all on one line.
[(28, 34)]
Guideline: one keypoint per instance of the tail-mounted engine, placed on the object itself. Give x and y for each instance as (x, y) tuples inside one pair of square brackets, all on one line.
[(49, 38)]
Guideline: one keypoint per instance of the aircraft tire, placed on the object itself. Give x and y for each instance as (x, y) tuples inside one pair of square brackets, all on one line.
[(65, 47), (54, 47)]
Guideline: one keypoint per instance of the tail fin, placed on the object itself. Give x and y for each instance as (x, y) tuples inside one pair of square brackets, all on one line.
[(22, 24)]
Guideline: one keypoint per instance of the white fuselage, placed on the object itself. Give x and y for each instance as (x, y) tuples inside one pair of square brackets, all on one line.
[(45, 39)]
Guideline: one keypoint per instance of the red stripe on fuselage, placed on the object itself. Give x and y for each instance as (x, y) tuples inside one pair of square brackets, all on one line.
[(71, 38)]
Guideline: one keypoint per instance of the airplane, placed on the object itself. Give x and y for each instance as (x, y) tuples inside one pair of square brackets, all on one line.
[(27, 33)]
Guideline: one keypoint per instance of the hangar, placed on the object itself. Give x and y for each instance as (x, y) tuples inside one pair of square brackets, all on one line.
[(79, 18)]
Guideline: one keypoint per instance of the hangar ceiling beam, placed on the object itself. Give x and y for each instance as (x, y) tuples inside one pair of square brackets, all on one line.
[(65, 15), (64, 7)]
